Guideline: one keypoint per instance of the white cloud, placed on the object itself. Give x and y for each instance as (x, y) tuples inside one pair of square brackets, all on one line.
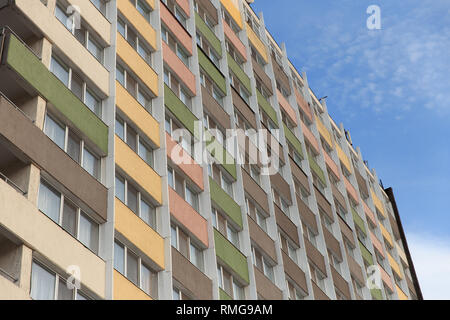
[(431, 257)]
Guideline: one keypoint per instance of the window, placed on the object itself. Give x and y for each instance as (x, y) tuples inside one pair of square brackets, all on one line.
[(135, 40), (174, 45), (76, 85), (211, 88), (334, 261), (310, 235), (76, 148), (184, 189), (358, 288), (215, 129), (134, 87), (48, 285), (288, 247), (229, 20), (229, 284), (326, 220), (295, 293), (225, 227), (293, 153), (178, 88), (100, 5), (222, 179), (280, 202), (73, 219), (234, 81), (263, 264), (256, 213), (134, 140), (317, 276), (178, 294), (132, 266), (234, 54), (176, 11), (188, 248), (350, 248), (135, 201), (86, 38)]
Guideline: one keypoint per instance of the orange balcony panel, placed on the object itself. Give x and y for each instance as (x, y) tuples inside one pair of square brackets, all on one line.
[(184, 5), (174, 26), (369, 213), (331, 164), (189, 166), (351, 190), (386, 279), (287, 107), (235, 40), (376, 243), (310, 137), (303, 104), (180, 69), (186, 215)]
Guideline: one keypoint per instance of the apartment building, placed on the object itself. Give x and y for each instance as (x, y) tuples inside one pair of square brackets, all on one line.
[(96, 204)]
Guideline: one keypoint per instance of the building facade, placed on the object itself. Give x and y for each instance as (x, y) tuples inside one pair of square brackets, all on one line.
[(96, 204)]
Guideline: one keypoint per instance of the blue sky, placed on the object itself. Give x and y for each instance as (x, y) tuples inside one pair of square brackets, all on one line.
[(391, 89)]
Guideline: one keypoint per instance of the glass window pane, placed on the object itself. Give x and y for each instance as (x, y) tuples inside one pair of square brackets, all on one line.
[(173, 237), (42, 283), (146, 279), (76, 86), (62, 16), (145, 153), (119, 257), (49, 201), (55, 131), (170, 178), (132, 267), (73, 147), (196, 257), (148, 214), (120, 188), (120, 75), (69, 222), (95, 49), (64, 293), (132, 201), (81, 297), (121, 27), (88, 234), (183, 243), (120, 128), (91, 163), (60, 71), (176, 294), (131, 138), (93, 103)]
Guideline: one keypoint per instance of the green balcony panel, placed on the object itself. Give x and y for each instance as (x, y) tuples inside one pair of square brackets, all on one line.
[(223, 295), (179, 109), (366, 253), (212, 71), (240, 74), (376, 294), (316, 168), (225, 202), (231, 256), (358, 221), (293, 140), (224, 158), (265, 105), (208, 34), (35, 73)]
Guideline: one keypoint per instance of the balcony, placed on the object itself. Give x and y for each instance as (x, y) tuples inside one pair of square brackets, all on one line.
[(225, 202), (179, 109), (177, 29), (138, 21), (316, 169), (240, 74), (231, 256), (212, 71), (179, 68), (267, 107), (257, 43), (208, 34)]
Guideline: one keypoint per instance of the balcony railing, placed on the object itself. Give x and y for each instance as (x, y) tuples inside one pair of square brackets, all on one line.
[(8, 276), (12, 184)]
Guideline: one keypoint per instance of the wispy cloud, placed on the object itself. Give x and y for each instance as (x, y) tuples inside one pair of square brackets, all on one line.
[(400, 68), (431, 257)]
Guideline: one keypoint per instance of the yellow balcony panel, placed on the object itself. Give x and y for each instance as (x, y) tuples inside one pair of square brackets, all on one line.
[(394, 265), (401, 253), (139, 233), (344, 159), (257, 43), (138, 21), (401, 294), (138, 170), (232, 7), (138, 65), (124, 289), (141, 117), (324, 132), (386, 235), (377, 203), (151, 3)]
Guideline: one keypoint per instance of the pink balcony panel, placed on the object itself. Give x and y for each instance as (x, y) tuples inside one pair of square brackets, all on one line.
[(180, 69), (184, 5), (331, 164), (188, 165), (174, 26), (351, 190), (234, 40), (376, 243), (303, 104), (310, 137), (188, 217), (287, 107), (386, 279), (369, 213)]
